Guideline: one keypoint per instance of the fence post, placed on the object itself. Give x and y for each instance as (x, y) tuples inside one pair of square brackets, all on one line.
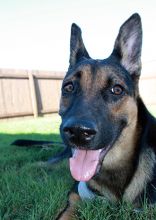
[(33, 93)]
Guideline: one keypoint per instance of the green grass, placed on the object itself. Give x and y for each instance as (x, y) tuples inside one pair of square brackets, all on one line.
[(32, 192), (27, 191)]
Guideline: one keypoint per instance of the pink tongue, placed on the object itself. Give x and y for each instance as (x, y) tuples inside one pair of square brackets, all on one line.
[(83, 164)]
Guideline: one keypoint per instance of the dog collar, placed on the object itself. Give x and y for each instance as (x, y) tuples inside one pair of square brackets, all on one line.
[(84, 191)]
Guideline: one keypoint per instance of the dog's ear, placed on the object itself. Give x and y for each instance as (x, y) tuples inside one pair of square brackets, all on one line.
[(128, 45), (77, 48)]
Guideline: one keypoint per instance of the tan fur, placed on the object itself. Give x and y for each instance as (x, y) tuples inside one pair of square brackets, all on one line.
[(124, 147), (105, 191), (86, 79), (69, 213), (142, 175)]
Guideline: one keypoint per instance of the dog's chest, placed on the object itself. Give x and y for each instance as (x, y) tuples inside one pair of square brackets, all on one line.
[(111, 183)]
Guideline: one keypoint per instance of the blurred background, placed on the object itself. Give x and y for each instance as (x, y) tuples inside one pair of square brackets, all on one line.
[(34, 48)]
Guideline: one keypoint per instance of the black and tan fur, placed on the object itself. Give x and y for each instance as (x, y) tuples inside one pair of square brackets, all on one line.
[(104, 94)]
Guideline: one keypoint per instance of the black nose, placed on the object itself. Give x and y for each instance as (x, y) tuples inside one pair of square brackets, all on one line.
[(79, 132)]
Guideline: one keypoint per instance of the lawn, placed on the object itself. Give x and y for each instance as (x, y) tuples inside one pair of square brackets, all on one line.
[(29, 191)]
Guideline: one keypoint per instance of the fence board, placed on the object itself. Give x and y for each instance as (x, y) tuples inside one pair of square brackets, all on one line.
[(15, 97)]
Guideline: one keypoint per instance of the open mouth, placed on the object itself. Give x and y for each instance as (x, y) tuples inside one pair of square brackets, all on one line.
[(84, 164)]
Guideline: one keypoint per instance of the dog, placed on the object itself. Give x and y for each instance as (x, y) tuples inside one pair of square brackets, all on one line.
[(105, 123)]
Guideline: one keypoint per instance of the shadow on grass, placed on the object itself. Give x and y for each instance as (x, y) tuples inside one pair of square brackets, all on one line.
[(11, 154)]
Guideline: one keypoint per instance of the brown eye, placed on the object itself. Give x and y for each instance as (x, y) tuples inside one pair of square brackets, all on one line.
[(68, 87), (117, 90)]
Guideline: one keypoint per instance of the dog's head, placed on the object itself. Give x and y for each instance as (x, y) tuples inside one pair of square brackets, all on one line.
[(99, 97)]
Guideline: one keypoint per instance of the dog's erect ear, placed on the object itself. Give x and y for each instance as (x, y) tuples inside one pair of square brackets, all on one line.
[(128, 45), (77, 48)]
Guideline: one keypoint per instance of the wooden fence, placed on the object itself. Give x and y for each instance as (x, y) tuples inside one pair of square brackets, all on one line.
[(24, 92)]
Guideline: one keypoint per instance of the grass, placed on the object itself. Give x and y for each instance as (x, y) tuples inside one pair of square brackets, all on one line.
[(32, 192), (27, 191)]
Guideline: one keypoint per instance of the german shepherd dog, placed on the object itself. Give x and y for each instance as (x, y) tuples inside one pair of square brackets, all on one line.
[(106, 124)]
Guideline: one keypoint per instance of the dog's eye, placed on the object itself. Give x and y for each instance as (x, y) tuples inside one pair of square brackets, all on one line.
[(117, 90), (68, 87)]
